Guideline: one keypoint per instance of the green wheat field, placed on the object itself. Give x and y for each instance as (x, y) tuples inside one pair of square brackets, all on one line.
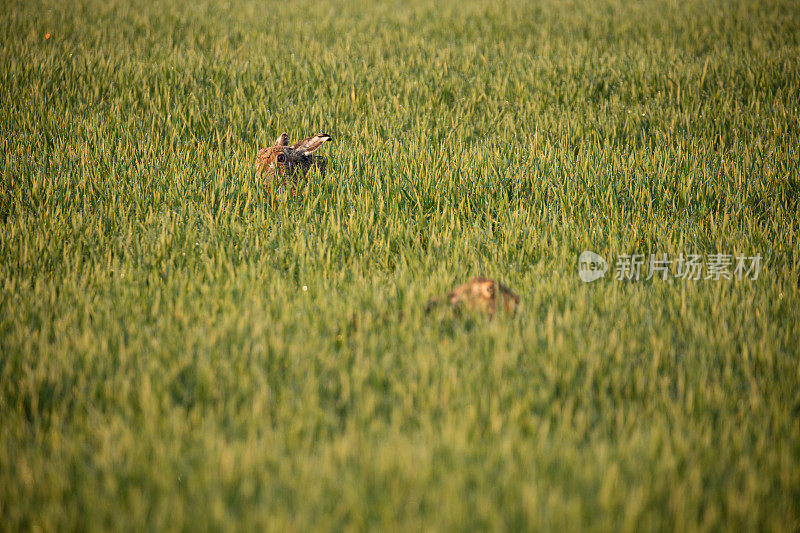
[(180, 350)]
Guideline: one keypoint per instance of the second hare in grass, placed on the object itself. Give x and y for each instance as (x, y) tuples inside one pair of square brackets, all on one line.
[(482, 295)]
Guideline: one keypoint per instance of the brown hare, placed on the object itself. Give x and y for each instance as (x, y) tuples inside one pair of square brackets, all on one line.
[(291, 161), (482, 295)]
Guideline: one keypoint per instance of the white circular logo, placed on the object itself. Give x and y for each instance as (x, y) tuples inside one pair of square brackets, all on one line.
[(591, 266)]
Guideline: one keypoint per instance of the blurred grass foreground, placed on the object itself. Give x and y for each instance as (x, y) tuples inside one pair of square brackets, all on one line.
[(180, 350)]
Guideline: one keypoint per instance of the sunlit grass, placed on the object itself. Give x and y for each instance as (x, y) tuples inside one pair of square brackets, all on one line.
[(161, 365)]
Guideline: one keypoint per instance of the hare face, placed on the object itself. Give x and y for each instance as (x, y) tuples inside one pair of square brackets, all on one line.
[(483, 295), (275, 159), (283, 159)]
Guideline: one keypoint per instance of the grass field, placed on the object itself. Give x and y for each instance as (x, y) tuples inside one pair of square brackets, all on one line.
[(180, 350)]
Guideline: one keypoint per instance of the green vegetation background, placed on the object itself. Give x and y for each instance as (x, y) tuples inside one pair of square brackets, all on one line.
[(163, 367)]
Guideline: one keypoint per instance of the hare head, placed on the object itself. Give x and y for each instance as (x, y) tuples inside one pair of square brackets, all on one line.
[(482, 295), (283, 160)]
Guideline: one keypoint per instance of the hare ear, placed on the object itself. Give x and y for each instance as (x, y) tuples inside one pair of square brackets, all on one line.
[(307, 146), (282, 140)]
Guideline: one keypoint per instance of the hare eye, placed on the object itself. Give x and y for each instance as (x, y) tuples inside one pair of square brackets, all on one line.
[(281, 158)]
